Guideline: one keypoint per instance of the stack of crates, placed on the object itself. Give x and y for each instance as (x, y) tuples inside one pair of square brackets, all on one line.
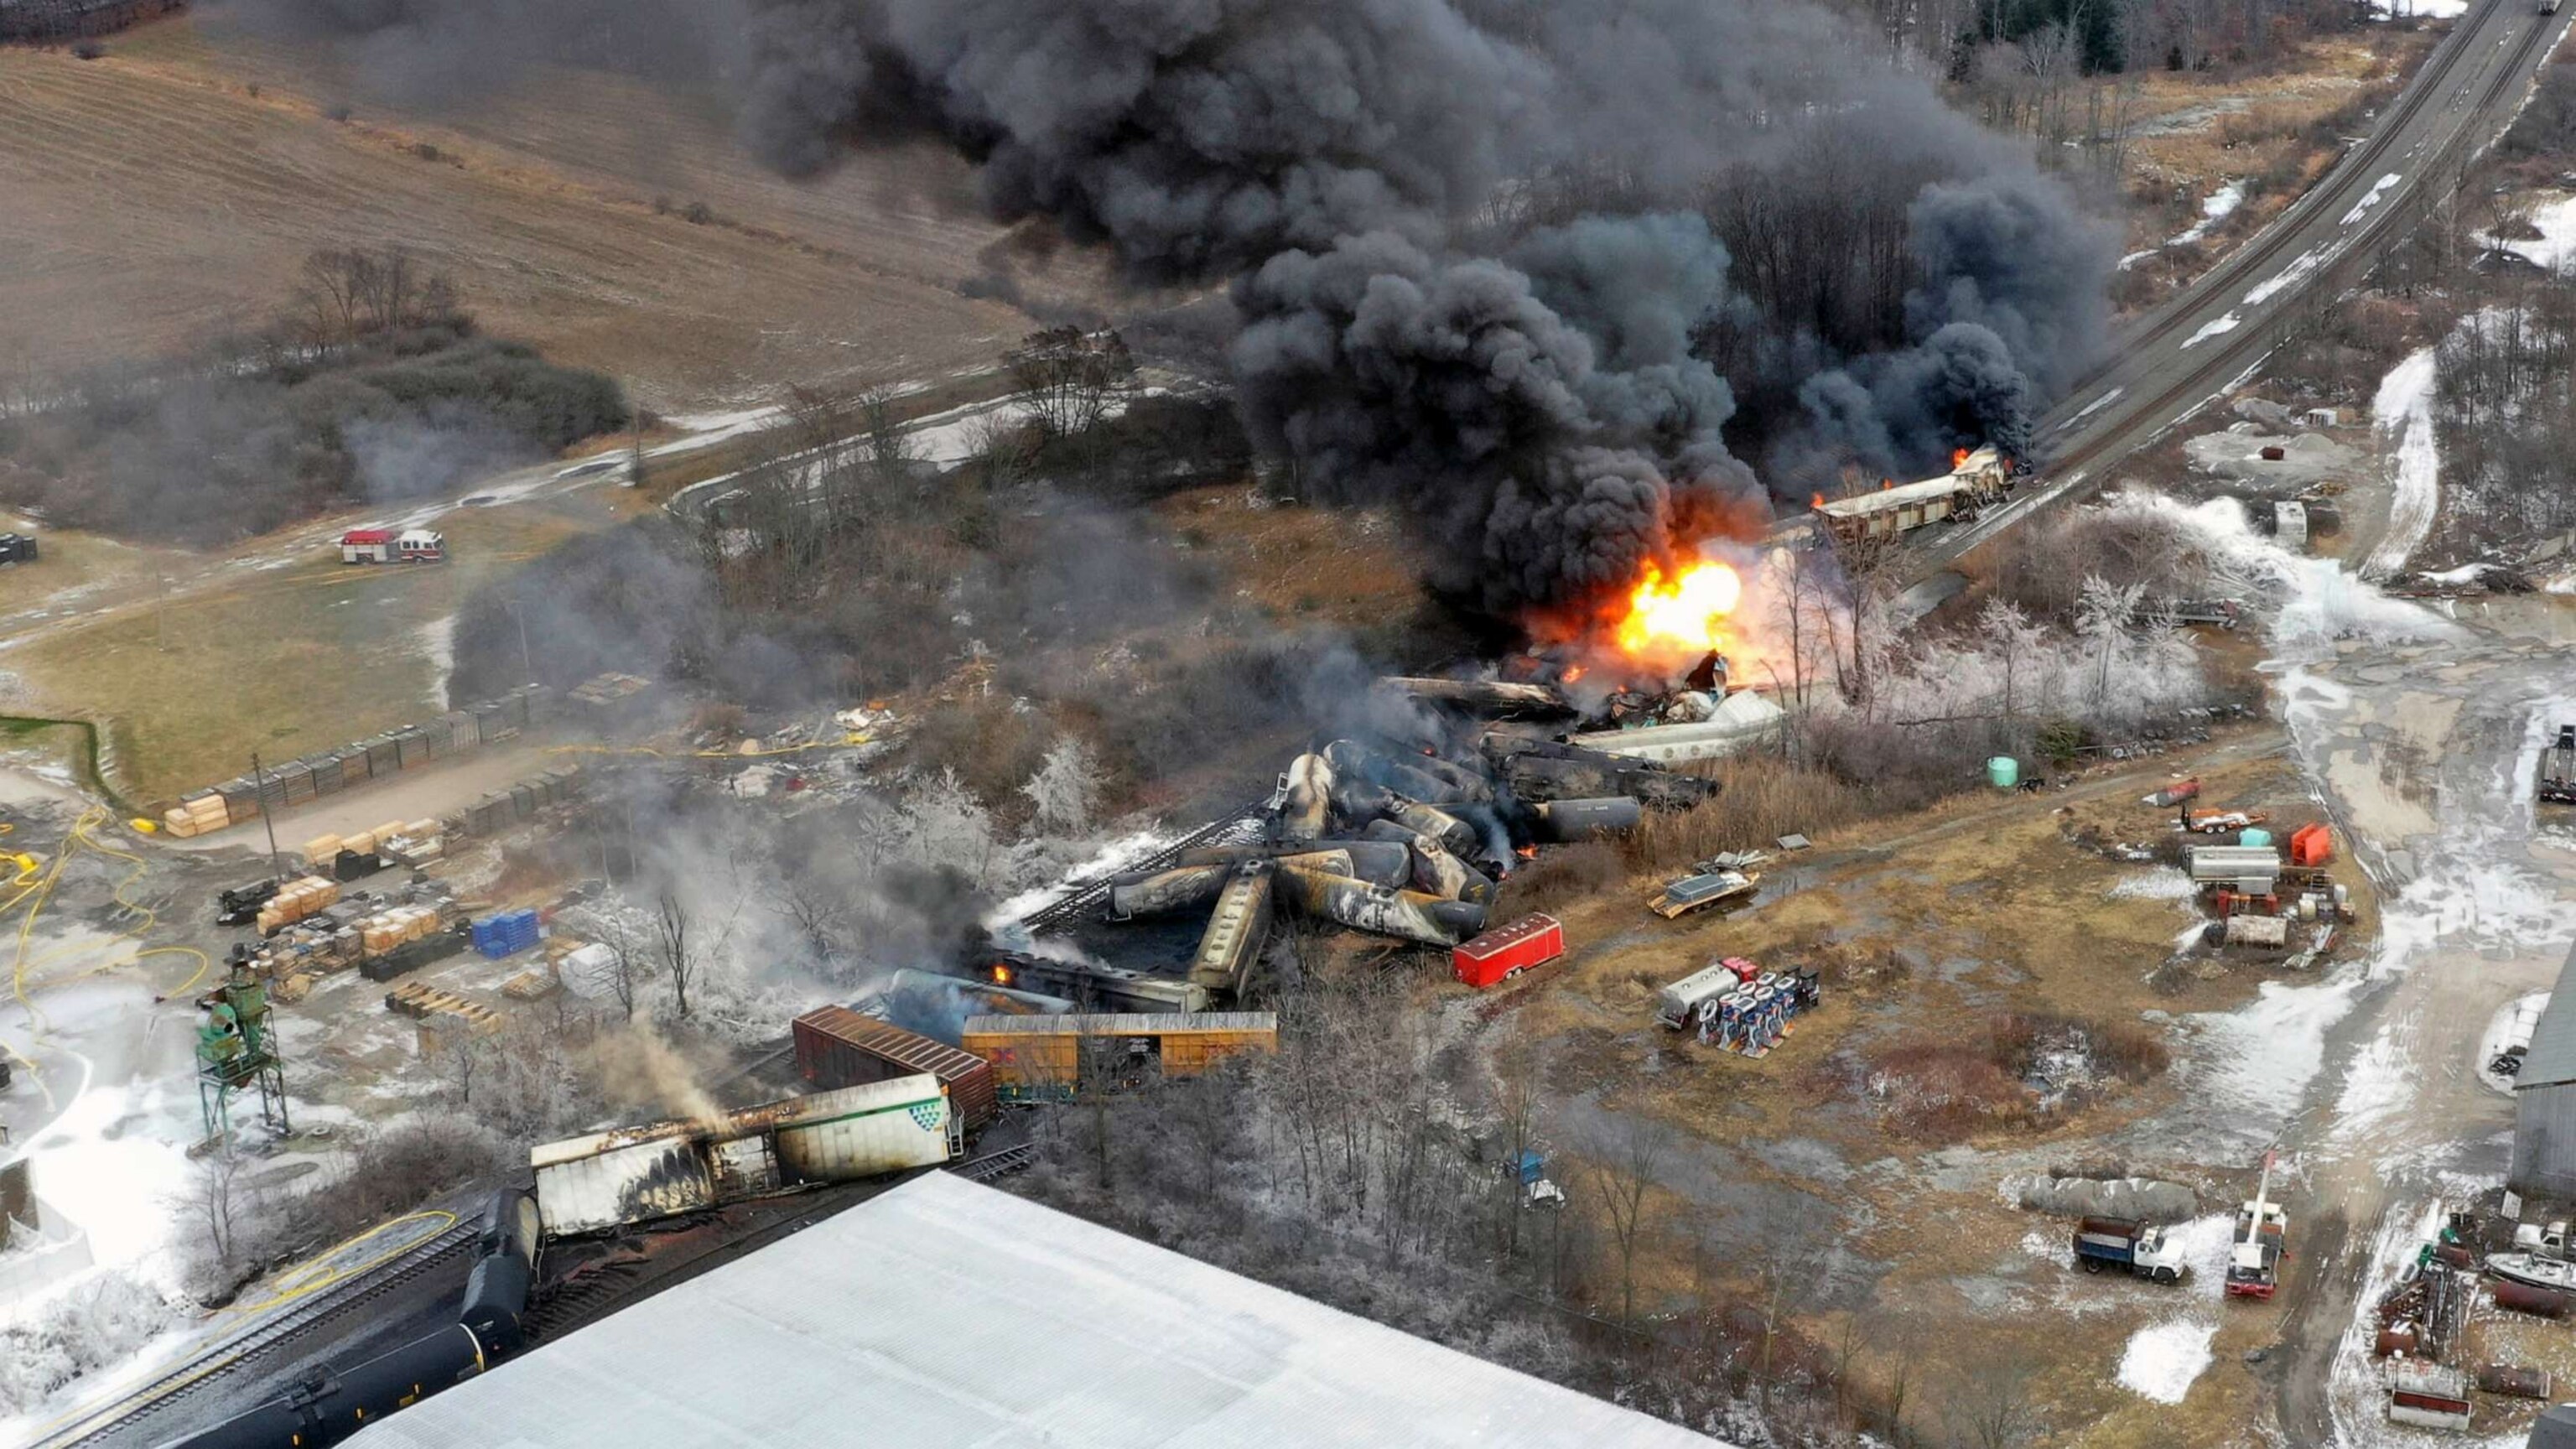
[(506, 934)]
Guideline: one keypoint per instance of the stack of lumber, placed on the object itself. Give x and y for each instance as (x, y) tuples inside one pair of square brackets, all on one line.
[(198, 815), (294, 901)]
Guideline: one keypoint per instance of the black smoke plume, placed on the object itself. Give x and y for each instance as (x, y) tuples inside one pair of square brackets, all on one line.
[(1434, 311), (1474, 245)]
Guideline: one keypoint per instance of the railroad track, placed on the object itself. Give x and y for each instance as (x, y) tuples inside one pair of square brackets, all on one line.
[(996, 1164), (2232, 355), (1233, 828), (262, 1341)]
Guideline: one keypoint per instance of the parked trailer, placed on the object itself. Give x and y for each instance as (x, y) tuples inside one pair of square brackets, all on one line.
[(837, 1047), (1677, 1005), (2247, 868), (1507, 951), (1049, 1058)]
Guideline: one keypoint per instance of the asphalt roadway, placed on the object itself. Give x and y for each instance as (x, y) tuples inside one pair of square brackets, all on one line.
[(2187, 353)]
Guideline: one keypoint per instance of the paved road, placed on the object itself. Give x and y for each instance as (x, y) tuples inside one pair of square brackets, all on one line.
[(2184, 354)]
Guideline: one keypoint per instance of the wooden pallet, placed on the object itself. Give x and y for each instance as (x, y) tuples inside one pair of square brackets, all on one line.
[(421, 1002)]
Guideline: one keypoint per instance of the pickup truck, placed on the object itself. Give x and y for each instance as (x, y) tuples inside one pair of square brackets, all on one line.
[(2126, 1244)]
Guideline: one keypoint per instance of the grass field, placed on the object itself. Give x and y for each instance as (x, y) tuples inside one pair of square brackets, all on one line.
[(171, 189), (283, 660)]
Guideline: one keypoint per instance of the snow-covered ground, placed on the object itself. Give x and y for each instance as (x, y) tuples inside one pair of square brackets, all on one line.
[(2402, 412), (2511, 1026), (2556, 246), (2420, 9), (1109, 860), (2162, 1359), (2220, 205)]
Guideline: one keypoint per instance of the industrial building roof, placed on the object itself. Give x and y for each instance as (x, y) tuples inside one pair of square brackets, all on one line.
[(2551, 1062), (947, 1315)]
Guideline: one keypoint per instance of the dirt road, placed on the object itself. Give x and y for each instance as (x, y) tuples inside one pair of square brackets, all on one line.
[(2425, 752)]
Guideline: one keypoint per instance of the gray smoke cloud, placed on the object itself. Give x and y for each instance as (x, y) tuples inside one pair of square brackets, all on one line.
[(1466, 238)]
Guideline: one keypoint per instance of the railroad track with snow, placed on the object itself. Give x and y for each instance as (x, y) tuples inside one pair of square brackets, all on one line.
[(261, 1342)]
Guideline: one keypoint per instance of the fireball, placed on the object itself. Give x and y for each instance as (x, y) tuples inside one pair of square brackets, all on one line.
[(1686, 611)]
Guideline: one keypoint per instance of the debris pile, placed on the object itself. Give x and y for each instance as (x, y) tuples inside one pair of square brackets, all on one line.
[(1409, 844)]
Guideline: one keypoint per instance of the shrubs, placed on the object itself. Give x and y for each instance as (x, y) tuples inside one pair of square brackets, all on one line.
[(2025, 1070), (1761, 798), (1562, 876), (92, 1325), (224, 452)]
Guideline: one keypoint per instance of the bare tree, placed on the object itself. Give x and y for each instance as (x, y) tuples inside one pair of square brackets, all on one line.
[(1990, 1404), (1069, 379), (1628, 1159), (215, 1194), (677, 955), (459, 1053), (616, 975)]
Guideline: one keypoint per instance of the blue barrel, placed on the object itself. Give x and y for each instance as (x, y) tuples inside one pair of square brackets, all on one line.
[(2003, 772), (2254, 835)]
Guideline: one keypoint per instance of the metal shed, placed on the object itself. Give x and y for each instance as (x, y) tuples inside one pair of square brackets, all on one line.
[(2544, 1098)]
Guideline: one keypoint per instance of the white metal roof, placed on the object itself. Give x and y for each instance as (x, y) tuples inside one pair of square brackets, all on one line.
[(2551, 1062), (947, 1315)]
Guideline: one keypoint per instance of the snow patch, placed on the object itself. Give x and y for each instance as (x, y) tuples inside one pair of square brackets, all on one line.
[(2362, 207), (438, 645), (2164, 883), (1109, 860), (2556, 247), (2403, 409), (2219, 328), (2162, 1360), (2289, 276)]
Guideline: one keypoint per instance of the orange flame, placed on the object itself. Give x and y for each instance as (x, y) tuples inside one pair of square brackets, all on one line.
[(1572, 673), (1816, 502), (1958, 459), (1685, 611)]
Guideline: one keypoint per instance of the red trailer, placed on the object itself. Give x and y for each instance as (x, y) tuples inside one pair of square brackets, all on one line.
[(1509, 950), (837, 1047)]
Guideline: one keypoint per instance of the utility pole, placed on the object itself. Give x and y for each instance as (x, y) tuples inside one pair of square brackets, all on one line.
[(635, 440), (259, 783), (519, 611), (161, 614)]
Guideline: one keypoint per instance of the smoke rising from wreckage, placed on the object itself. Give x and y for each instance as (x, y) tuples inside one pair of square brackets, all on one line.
[(1460, 234)]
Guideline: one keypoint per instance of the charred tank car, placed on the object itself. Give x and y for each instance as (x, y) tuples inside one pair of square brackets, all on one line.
[(330, 1402)]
